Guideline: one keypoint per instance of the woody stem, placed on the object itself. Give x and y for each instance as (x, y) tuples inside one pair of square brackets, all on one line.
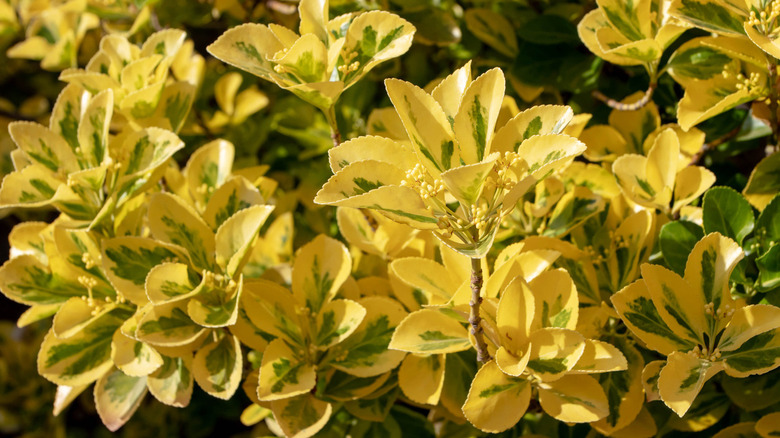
[(474, 319), (335, 134)]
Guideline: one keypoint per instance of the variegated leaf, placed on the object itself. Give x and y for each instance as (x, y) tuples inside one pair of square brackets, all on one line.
[(215, 304), (217, 366), (635, 306), (374, 37), (682, 378), (302, 416), (365, 353), (236, 235), (496, 401), (493, 29), (336, 321), (132, 357), (283, 373), (554, 352), (173, 221), (170, 282), (168, 325), (320, 268), (117, 397), (476, 118), (538, 120), (128, 260), (430, 331), (421, 377), (429, 130), (83, 357), (172, 383), (574, 399), (272, 309)]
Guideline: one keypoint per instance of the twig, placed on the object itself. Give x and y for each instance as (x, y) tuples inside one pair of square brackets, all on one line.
[(706, 147), (335, 134), (773, 97), (474, 319), (614, 104)]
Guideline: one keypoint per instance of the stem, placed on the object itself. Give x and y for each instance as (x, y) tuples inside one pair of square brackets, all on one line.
[(709, 146), (335, 134), (474, 319), (614, 104), (773, 97)]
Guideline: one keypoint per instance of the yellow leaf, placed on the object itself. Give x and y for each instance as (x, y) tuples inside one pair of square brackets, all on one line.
[(496, 401), (218, 365), (554, 352), (642, 427), (132, 357), (691, 182), (336, 321), (513, 362), (574, 399), (65, 396), (537, 120), (314, 16), (173, 221), (225, 90), (426, 275), (172, 383), (682, 310), (426, 124), (248, 47), (465, 183), (283, 373), (527, 264), (650, 379), (449, 92), (371, 148), (768, 425), (117, 396), (709, 267), (302, 416), (321, 267), (682, 378), (638, 312), (429, 331), (83, 357), (515, 314), (493, 29), (475, 120), (168, 325), (587, 29), (739, 430), (236, 235), (556, 300), (365, 353), (702, 102), (272, 309), (421, 378), (599, 357)]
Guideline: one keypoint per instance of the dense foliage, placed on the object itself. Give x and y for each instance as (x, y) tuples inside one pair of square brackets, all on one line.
[(391, 218)]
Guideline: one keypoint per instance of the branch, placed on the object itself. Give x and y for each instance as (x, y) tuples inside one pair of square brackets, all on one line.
[(335, 134), (614, 104), (706, 147), (474, 319)]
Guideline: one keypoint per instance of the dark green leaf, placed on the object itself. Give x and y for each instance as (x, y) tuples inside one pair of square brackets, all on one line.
[(677, 240), (727, 212)]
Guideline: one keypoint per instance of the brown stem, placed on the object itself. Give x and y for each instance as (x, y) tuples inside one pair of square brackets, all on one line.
[(614, 104), (773, 97), (335, 134), (474, 319), (706, 147)]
